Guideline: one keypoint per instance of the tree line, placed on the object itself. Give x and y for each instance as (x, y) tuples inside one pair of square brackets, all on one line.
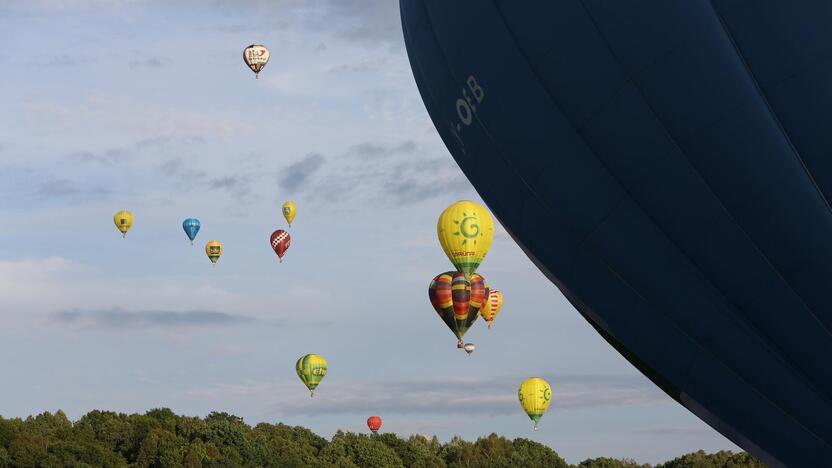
[(160, 438)]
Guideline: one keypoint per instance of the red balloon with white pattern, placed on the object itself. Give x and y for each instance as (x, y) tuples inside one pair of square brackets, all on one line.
[(280, 241)]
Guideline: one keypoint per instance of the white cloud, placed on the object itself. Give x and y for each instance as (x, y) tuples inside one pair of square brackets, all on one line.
[(472, 396)]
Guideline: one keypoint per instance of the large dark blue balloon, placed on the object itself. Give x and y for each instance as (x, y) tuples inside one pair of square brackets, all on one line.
[(668, 164)]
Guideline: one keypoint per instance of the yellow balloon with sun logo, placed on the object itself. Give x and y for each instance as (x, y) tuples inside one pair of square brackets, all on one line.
[(465, 231), (289, 211), (535, 395), (123, 220), (213, 249)]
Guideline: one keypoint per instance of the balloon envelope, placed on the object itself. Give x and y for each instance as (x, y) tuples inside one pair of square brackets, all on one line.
[(535, 394), (374, 423), (311, 369), (123, 221), (666, 164), (280, 241), (256, 56), (492, 306), (457, 300), (191, 227), (469, 348), (465, 230), (213, 249), (290, 209)]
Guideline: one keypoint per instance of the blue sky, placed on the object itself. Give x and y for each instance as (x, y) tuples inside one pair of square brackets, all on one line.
[(146, 105)]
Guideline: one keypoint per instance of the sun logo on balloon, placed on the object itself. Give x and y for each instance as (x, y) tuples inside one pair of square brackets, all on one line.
[(468, 228)]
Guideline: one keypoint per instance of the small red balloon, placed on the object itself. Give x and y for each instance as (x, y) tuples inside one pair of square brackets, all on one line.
[(280, 241), (374, 423)]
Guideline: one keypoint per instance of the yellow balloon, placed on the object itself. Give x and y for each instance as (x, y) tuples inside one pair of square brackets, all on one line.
[(123, 220), (213, 249), (289, 211), (492, 306), (535, 395), (465, 231)]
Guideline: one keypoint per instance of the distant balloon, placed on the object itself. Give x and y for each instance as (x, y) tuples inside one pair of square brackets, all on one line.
[(280, 241), (311, 369), (469, 348), (492, 306), (191, 227), (374, 423), (289, 211), (457, 300), (465, 231), (535, 395), (256, 57), (213, 249), (123, 220)]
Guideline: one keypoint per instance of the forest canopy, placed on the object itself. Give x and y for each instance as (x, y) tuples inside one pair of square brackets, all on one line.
[(160, 438)]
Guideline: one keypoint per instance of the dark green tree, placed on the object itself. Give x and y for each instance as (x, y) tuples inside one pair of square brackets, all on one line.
[(721, 459), (604, 462)]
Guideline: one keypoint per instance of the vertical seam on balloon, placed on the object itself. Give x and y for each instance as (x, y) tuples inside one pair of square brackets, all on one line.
[(768, 343), (727, 212), (786, 137), (757, 338), (621, 200), (764, 98)]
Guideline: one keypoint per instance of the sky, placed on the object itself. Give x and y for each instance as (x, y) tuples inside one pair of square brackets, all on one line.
[(146, 105)]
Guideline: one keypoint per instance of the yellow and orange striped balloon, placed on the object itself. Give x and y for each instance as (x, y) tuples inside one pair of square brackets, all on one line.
[(492, 306)]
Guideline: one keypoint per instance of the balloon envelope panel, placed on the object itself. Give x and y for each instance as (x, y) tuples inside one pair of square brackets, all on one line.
[(666, 165)]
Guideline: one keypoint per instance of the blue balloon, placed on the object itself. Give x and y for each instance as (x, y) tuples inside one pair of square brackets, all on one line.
[(668, 165), (191, 227)]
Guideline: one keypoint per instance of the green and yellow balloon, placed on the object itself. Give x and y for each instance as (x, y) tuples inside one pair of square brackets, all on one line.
[(311, 369), (535, 395)]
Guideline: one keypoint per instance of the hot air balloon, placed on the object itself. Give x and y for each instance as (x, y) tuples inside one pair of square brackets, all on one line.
[(123, 220), (289, 211), (666, 164), (256, 57), (280, 241), (374, 423), (535, 395), (213, 249), (457, 300), (469, 348), (311, 369), (465, 231), (191, 227), (492, 306)]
